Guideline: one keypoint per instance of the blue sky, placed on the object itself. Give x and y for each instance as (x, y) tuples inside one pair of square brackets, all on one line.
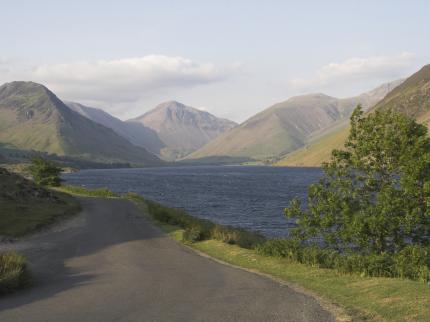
[(232, 58)]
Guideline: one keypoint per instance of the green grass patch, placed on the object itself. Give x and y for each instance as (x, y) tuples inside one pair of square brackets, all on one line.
[(364, 298), (82, 191), (21, 218), (13, 272)]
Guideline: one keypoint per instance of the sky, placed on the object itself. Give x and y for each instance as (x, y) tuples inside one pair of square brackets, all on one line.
[(230, 58)]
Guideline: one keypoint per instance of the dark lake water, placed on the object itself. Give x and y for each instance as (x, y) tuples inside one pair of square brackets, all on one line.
[(242, 196)]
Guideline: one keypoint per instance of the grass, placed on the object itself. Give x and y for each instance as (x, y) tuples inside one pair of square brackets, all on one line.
[(18, 219), (82, 191), (13, 272), (26, 207), (363, 298)]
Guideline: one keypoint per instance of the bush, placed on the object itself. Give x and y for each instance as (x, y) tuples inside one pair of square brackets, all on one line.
[(193, 234), (237, 236), (13, 272), (45, 172), (280, 248), (413, 262)]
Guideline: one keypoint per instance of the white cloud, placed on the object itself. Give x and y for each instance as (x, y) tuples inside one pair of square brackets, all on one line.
[(357, 69), (122, 80)]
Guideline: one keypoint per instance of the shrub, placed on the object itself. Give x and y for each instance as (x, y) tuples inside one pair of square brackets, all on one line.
[(237, 236), (193, 234), (45, 172), (413, 262), (13, 272), (280, 248)]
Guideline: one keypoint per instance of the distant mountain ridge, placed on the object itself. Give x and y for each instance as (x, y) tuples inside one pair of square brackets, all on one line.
[(287, 126), (182, 129), (32, 117), (411, 97), (136, 133)]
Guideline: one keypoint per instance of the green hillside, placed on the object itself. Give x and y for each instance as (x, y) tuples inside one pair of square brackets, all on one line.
[(412, 97), (33, 118)]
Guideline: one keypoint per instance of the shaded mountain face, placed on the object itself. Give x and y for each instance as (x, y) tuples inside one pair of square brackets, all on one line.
[(182, 129), (411, 97), (136, 133), (287, 126), (32, 117)]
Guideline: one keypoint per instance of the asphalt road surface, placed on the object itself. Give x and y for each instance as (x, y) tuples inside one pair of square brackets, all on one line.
[(110, 264)]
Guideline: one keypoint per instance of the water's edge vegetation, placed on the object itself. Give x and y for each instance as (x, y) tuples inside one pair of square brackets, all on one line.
[(357, 289)]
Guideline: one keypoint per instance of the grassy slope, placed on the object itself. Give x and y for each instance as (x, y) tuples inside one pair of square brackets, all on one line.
[(313, 154), (379, 299), (25, 208), (32, 117), (412, 97), (285, 126)]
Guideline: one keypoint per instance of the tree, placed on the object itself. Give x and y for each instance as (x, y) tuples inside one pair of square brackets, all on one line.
[(45, 172), (374, 196)]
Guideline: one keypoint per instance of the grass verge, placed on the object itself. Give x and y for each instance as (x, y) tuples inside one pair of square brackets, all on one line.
[(82, 191), (363, 298), (21, 218)]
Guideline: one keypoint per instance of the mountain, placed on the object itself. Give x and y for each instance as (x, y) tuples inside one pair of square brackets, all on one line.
[(411, 97), (136, 133), (32, 117), (182, 129), (287, 126)]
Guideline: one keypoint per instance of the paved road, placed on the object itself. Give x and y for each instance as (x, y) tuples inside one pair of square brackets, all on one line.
[(110, 264)]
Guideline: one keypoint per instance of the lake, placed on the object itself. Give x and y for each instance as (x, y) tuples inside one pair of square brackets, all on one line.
[(251, 197)]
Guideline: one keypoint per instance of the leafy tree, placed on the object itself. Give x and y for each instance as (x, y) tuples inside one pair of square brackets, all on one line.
[(374, 196), (45, 172)]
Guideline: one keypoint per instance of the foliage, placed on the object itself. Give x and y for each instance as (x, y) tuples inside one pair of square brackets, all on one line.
[(45, 172), (13, 272), (412, 262), (237, 236), (375, 195), (100, 192)]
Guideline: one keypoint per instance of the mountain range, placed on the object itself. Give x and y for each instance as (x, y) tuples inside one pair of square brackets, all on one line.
[(33, 118), (411, 97), (171, 130), (287, 126), (300, 131)]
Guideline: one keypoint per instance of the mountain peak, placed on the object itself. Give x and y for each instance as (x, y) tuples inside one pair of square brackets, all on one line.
[(183, 129), (34, 118), (18, 87)]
